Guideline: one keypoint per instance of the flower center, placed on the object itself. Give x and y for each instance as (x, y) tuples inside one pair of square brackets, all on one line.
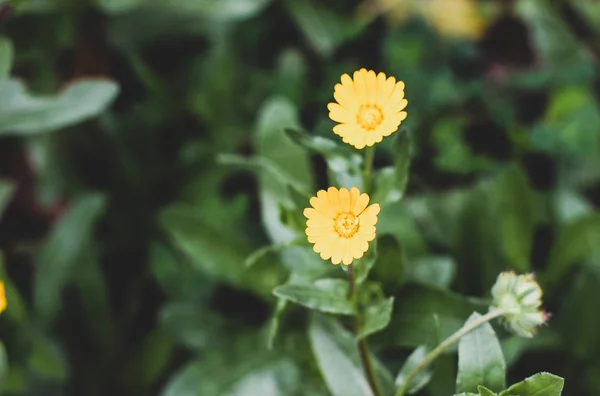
[(346, 224), (369, 117)]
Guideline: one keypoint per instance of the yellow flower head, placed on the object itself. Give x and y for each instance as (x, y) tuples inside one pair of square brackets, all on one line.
[(2, 297), (340, 224), (368, 107)]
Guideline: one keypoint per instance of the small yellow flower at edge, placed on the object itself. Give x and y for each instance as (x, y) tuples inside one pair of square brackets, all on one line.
[(340, 225), (368, 107), (2, 297)]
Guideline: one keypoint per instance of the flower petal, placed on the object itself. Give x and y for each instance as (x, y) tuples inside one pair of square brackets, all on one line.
[(360, 85), (371, 87), (361, 203), (344, 199), (338, 114), (385, 90)]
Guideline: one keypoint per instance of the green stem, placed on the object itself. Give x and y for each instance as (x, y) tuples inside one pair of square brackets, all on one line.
[(431, 356), (363, 347), (369, 155)]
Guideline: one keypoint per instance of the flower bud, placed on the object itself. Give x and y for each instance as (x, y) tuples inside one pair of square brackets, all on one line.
[(520, 297)]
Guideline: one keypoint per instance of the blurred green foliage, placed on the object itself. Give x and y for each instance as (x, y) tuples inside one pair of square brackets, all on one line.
[(154, 166)]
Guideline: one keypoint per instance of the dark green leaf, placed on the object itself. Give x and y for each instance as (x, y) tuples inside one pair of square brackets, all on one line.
[(282, 304), (24, 114), (576, 241), (6, 193), (3, 367), (6, 57), (483, 391), (433, 270), (480, 359), (376, 317), (542, 384), (62, 253), (155, 355), (47, 361), (326, 295)]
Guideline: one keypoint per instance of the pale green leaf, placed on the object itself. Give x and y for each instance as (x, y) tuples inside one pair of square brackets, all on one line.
[(6, 57), (542, 384), (376, 317), (326, 295)]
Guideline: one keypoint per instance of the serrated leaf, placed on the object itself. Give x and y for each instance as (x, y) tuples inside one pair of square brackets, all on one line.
[(325, 295), (542, 384), (376, 317), (62, 253), (480, 359), (343, 163), (22, 113)]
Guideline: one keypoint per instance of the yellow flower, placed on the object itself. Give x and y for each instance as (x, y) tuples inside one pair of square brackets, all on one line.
[(454, 18), (2, 297), (368, 107), (340, 224)]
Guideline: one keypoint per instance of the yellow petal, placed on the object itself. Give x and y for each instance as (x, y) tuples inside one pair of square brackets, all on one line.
[(323, 206), (337, 251), (360, 86), (371, 87), (320, 231), (347, 259), (373, 138), (346, 98), (338, 114), (333, 195), (346, 129), (344, 199), (354, 194), (361, 203), (385, 90), (371, 211)]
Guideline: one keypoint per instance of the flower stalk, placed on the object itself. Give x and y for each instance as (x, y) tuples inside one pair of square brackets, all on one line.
[(431, 356)]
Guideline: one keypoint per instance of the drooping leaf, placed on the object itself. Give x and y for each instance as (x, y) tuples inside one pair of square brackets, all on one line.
[(326, 295), (22, 113), (480, 359), (542, 384), (376, 317), (62, 253)]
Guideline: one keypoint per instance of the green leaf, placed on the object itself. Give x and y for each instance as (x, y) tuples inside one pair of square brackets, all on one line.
[(47, 361), (282, 304), (342, 162), (6, 57), (415, 305), (480, 359), (190, 325), (63, 252), (325, 295), (576, 241), (542, 384), (483, 391), (117, 6), (324, 29), (6, 192), (24, 114), (413, 360), (391, 182), (155, 355), (217, 253), (337, 358), (432, 270), (275, 115), (516, 210), (376, 317)]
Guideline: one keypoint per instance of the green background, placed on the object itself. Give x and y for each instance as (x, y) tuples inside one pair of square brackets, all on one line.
[(151, 200)]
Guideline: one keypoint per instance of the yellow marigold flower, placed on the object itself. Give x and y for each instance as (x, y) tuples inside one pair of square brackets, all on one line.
[(340, 224), (454, 18), (368, 107), (2, 297)]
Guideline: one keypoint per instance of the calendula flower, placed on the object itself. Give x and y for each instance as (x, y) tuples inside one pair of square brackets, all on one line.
[(2, 297), (520, 296), (368, 107), (340, 224), (453, 18)]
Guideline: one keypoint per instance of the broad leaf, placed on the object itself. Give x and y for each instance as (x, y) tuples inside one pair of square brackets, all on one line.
[(542, 384), (376, 317), (326, 295), (22, 113), (480, 359)]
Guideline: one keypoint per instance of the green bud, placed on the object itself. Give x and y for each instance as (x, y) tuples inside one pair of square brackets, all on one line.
[(520, 297)]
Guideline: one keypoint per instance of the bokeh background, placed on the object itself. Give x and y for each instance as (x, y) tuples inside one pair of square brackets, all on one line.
[(127, 237)]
